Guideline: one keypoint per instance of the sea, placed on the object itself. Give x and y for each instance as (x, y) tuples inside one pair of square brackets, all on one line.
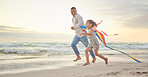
[(18, 57)]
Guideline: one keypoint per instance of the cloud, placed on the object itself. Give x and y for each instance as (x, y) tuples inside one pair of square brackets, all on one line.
[(21, 34), (129, 13), (10, 29), (137, 22)]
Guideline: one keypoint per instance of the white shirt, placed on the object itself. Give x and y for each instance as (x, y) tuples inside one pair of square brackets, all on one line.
[(78, 22), (93, 34)]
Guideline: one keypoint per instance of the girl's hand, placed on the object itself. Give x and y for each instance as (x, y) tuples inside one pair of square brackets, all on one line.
[(81, 34), (84, 30)]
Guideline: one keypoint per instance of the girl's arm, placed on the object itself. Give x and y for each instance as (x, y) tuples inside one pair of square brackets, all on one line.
[(85, 33), (91, 31)]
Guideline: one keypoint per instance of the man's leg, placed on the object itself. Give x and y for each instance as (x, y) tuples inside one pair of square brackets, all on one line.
[(74, 47), (84, 41)]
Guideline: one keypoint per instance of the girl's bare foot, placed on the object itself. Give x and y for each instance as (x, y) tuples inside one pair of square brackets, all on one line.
[(94, 59), (87, 63), (106, 61)]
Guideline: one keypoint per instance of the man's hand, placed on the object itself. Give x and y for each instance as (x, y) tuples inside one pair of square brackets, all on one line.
[(72, 28)]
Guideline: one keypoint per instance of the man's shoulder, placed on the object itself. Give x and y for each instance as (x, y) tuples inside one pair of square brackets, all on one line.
[(78, 15)]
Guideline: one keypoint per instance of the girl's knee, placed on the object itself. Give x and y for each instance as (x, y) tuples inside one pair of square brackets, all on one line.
[(96, 51), (86, 51)]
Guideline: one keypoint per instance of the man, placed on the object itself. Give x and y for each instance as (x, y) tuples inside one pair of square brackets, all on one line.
[(78, 22)]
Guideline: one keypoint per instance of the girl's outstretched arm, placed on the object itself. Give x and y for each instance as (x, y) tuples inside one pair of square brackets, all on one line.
[(85, 33)]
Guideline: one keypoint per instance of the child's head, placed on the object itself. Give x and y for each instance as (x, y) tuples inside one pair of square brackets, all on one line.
[(90, 24)]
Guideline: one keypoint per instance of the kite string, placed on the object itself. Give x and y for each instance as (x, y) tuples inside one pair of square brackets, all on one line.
[(125, 54), (102, 39)]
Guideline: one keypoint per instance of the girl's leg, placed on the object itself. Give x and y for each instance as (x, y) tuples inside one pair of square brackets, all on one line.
[(87, 56), (85, 42), (102, 57)]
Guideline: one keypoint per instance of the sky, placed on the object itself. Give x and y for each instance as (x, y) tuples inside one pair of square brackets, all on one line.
[(50, 20)]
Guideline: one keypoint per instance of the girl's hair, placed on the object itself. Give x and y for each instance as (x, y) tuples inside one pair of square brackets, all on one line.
[(92, 22)]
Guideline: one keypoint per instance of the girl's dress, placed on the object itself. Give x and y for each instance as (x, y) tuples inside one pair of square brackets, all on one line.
[(93, 40)]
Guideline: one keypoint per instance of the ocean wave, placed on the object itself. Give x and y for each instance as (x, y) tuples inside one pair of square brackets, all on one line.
[(48, 47)]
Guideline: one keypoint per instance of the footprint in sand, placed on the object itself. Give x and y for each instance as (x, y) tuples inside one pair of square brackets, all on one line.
[(126, 69), (112, 73), (142, 72), (109, 65), (138, 68), (139, 73)]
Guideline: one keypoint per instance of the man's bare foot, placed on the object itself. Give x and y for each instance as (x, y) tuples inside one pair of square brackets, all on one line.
[(87, 63), (77, 59), (106, 61), (94, 59)]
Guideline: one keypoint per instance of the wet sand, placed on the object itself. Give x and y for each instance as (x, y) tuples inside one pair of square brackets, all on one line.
[(119, 66)]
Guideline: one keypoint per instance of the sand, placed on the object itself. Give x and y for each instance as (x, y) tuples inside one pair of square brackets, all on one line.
[(119, 66)]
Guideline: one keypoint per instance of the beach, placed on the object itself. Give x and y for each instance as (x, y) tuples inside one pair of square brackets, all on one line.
[(60, 63), (116, 68)]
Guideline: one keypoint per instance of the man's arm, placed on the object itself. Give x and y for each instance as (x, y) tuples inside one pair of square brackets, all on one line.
[(72, 26), (80, 20)]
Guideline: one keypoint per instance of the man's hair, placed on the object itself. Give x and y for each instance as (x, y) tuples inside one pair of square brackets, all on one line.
[(73, 8)]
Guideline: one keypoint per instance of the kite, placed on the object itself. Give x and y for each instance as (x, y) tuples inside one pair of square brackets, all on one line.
[(105, 33), (102, 39), (109, 35)]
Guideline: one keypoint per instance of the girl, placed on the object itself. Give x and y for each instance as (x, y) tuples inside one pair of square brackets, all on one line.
[(93, 42)]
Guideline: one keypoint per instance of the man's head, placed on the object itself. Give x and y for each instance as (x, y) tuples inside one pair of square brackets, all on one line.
[(73, 11)]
